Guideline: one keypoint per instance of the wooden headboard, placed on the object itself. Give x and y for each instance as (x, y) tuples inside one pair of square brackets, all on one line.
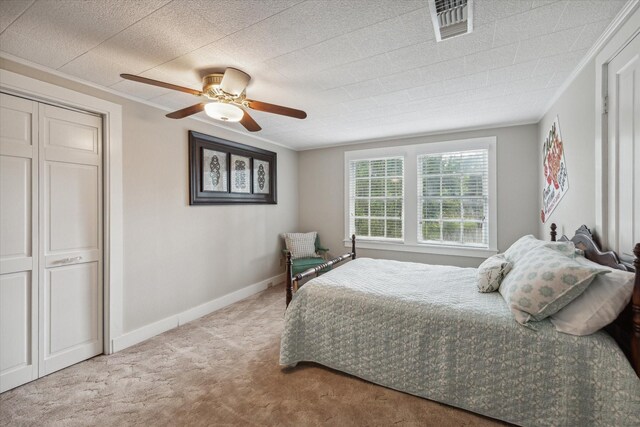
[(626, 328)]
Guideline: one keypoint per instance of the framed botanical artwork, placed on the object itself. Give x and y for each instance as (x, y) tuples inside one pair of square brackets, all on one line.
[(227, 172)]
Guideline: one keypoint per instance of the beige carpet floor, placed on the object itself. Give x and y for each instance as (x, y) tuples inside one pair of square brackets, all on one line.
[(221, 369)]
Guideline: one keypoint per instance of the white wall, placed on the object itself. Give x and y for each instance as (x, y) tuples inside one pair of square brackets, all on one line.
[(575, 109), (177, 256), (321, 174)]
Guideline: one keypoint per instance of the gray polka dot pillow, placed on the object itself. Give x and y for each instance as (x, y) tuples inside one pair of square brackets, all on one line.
[(491, 272), (526, 243), (543, 282)]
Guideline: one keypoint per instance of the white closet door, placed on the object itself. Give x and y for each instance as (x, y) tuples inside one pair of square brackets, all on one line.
[(70, 237), (18, 245), (624, 148)]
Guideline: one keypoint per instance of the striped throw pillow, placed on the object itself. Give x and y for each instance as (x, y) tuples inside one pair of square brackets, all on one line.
[(301, 245)]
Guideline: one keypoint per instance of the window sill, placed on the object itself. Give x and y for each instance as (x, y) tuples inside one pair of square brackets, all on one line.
[(422, 248)]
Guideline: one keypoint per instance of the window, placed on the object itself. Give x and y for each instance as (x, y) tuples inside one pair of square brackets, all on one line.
[(453, 198), (431, 198), (376, 198)]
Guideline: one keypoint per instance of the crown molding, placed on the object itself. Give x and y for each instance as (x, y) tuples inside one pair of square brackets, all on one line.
[(613, 27), (43, 68)]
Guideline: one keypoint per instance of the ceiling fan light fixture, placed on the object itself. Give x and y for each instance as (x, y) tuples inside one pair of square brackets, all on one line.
[(224, 112), (234, 81), (223, 98)]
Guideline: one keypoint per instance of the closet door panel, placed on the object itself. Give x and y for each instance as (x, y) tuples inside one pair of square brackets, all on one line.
[(69, 136), (71, 130), (17, 126), (16, 330), (15, 212), (18, 241), (72, 218), (628, 128), (71, 314), (15, 316), (624, 149), (71, 237), (70, 295)]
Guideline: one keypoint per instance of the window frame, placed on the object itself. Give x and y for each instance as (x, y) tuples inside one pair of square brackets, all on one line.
[(410, 218), (370, 198), (442, 177)]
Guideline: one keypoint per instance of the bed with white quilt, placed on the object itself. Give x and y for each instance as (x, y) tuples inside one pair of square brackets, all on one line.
[(426, 330)]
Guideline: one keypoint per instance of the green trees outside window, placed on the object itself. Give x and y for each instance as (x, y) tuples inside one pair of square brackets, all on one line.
[(377, 197)]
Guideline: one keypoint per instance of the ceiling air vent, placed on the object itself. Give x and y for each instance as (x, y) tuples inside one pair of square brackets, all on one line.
[(451, 18)]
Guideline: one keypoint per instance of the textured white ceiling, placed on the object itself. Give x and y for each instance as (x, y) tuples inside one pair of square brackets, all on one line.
[(361, 69)]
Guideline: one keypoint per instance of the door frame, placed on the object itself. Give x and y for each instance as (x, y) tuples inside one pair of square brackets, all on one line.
[(626, 27), (37, 90)]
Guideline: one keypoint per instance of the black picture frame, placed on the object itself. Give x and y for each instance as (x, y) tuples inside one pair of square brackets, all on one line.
[(226, 193)]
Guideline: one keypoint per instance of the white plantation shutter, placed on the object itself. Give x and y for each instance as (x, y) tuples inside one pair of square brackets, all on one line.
[(453, 198), (376, 198)]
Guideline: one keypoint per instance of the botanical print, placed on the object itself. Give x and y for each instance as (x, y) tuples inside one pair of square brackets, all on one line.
[(556, 181), (240, 174), (260, 177), (214, 171)]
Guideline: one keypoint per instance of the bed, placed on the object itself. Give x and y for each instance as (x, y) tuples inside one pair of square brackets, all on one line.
[(425, 330)]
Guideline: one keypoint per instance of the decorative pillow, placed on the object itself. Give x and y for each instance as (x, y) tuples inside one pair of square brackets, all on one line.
[(599, 305), (526, 243), (543, 282), (491, 272), (301, 245)]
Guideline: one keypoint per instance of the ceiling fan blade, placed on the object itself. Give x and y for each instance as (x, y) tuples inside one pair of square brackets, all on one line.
[(250, 124), (276, 109), (180, 114), (160, 84), (234, 81)]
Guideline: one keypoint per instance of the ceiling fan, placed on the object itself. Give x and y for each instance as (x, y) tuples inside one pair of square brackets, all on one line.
[(223, 98)]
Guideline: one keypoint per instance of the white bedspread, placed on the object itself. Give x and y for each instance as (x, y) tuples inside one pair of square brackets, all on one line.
[(426, 330)]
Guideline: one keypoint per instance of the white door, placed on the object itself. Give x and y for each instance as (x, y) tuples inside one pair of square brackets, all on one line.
[(624, 148), (18, 242), (70, 237)]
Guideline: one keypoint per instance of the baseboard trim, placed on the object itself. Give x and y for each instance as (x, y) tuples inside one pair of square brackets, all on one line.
[(144, 333), (141, 334), (223, 301)]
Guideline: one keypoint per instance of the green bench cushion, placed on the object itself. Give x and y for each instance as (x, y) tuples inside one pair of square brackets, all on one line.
[(302, 264)]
